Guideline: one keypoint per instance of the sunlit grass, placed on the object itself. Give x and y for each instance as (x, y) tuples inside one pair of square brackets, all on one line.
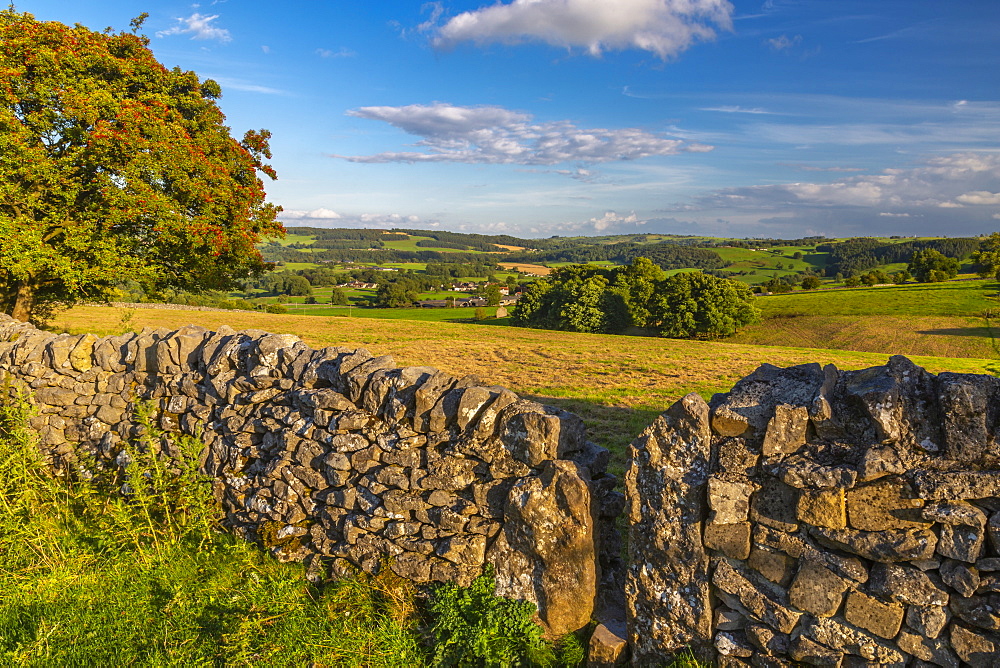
[(616, 383)]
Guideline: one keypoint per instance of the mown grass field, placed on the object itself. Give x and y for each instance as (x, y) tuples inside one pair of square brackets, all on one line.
[(952, 319), (617, 384)]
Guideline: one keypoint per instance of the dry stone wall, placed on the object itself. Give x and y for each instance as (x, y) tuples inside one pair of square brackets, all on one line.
[(340, 459), (822, 517), (810, 515)]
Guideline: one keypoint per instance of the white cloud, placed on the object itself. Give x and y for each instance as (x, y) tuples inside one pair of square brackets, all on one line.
[(663, 27), (494, 135), (198, 26), (612, 219), (886, 214), (321, 213), (784, 42), (979, 197)]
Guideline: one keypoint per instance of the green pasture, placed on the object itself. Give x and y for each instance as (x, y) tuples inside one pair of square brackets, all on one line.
[(951, 298)]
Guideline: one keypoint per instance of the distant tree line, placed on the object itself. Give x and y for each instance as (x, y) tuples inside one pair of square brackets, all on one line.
[(285, 254), (859, 255), (666, 255), (347, 234), (589, 298)]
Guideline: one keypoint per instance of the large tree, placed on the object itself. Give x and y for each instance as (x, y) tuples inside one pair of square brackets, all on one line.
[(696, 305), (113, 168), (988, 256), (931, 266)]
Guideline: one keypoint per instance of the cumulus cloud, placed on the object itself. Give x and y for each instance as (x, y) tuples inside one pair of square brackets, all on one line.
[(321, 214), (494, 135), (662, 27), (612, 219), (198, 26), (982, 197)]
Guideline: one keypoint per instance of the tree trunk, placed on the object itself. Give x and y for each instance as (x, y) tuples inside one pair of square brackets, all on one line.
[(24, 301)]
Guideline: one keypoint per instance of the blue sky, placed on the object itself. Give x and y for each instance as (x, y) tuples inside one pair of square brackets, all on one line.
[(776, 118)]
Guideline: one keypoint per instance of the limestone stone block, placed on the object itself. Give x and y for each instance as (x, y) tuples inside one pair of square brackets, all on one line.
[(786, 431), (727, 619), (961, 577), (762, 602), (733, 540), (549, 534), (729, 501), (935, 650), (667, 584), (81, 355), (824, 508), (774, 505), (978, 649), (807, 651), (727, 422), (796, 546), (804, 473), (906, 584), (979, 611), (892, 545), (951, 485), (736, 458), (969, 427), (733, 644), (993, 531), (773, 564), (533, 436), (927, 620), (988, 564), (767, 640), (608, 647), (832, 633), (871, 614), (817, 589), (885, 504), (880, 461)]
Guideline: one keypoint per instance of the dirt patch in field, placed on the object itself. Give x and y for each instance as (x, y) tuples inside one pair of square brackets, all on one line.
[(527, 268)]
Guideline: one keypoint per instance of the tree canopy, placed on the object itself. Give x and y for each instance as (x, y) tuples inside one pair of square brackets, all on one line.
[(113, 168), (988, 256), (930, 266), (588, 298)]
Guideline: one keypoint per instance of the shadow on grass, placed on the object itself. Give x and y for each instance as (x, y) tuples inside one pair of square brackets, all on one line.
[(984, 332), (611, 427)]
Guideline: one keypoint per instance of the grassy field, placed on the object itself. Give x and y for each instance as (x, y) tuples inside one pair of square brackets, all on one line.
[(952, 298), (953, 319), (617, 384)]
